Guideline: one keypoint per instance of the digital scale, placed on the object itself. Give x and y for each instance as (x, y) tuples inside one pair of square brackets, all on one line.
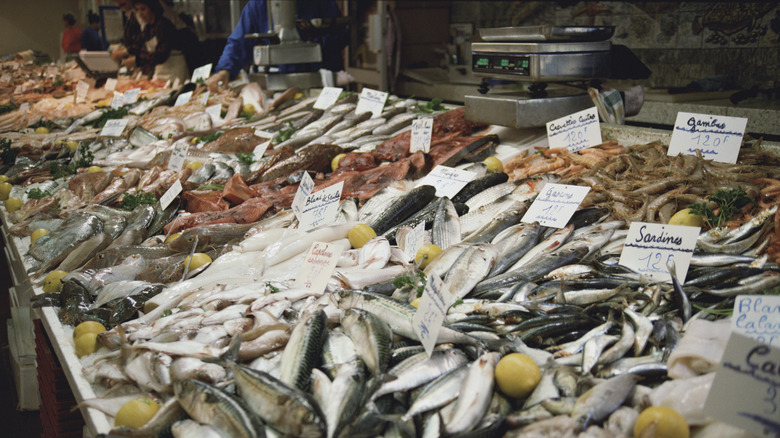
[(558, 62)]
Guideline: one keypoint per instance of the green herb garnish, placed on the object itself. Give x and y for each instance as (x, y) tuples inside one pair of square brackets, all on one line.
[(130, 201), (718, 312), (285, 133), (272, 288), (167, 312), (37, 193), (110, 114), (418, 283), (86, 157), (210, 137), (7, 108), (429, 107), (219, 187), (730, 203), (7, 154), (246, 157), (48, 124), (458, 302)]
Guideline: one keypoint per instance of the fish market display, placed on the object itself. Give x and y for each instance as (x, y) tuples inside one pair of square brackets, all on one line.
[(231, 346)]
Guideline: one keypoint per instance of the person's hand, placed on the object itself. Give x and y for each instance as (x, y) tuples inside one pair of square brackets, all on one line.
[(118, 54), (222, 76), (129, 62)]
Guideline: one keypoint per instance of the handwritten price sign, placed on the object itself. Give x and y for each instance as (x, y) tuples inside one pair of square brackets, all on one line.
[(321, 208), (422, 129), (650, 248), (758, 317), (717, 137), (318, 266), (304, 190), (575, 131), (447, 180), (555, 205), (428, 318), (371, 100)]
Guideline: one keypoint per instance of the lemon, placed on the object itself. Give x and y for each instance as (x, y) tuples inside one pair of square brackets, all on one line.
[(41, 130), (72, 145), (13, 204), (58, 142), (88, 327), (426, 254), (667, 422), (248, 108), (517, 375), (86, 344), (686, 217), (53, 281), (194, 165), (5, 189), (360, 234), (416, 302), (172, 237), (37, 234), (3, 178), (334, 164), (136, 413), (94, 169), (493, 164), (198, 259)]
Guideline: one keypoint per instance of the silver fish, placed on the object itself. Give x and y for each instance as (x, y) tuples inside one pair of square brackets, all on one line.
[(371, 336), (475, 395), (210, 405), (419, 369), (446, 225)]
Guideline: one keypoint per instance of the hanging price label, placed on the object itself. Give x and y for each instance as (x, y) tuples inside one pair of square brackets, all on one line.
[(428, 318), (204, 98), (201, 73), (371, 100), (651, 248), (215, 111), (304, 190), (110, 84), (82, 88), (117, 100), (131, 96), (422, 129), (178, 155), (717, 137), (575, 131), (414, 241), (260, 150), (183, 98), (318, 265), (758, 317), (327, 97), (114, 128), (321, 208), (555, 205), (447, 180), (170, 194)]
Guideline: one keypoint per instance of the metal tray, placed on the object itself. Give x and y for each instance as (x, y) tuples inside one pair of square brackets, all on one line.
[(547, 33)]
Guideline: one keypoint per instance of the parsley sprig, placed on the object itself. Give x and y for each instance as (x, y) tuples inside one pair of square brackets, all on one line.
[(730, 203)]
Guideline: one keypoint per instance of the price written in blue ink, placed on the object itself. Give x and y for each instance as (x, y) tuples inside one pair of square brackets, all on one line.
[(718, 138), (575, 131), (656, 262), (428, 318), (650, 248), (555, 205)]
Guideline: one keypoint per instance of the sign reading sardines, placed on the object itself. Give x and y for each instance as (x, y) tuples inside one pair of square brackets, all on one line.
[(656, 249)]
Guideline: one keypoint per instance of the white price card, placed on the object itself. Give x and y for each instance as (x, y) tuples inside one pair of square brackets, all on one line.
[(318, 266), (260, 149), (717, 137), (52, 71), (215, 111), (19, 89), (758, 317), (650, 248), (203, 99), (428, 318), (414, 241), (746, 390), (118, 100), (110, 84), (576, 131), (114, 128), (304, 190), (178, 155), (264, 134), (555, 205), (131, 96), (447, 180), (371, 100), (5, 77), (81, 90), (321, 207), (422, 129), (327, 97), (201, 73), (183, 98), (170, 194)]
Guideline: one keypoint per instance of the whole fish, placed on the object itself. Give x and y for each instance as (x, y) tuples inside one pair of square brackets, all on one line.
[(303, 350), (402, 208), (346, 397), (600, 401), (437, 393), (419, 369), (371, 336), (513, 244), (469, 269), (52, 248), (213, 406), (84, 252), (476, 392), (446, 225), (206, 236)]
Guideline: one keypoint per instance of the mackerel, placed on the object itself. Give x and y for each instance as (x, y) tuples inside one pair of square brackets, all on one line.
[(419, 369), (402, 208), (303, 349), (345, 398), (371, 336), (210, 405), (512, 243)]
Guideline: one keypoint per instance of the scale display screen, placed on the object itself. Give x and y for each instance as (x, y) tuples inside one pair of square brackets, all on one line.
[(501, 63)]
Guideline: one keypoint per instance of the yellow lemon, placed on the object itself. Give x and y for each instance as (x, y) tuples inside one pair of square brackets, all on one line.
[(5, 189), (86, 344), (416, 302), (494, 164), (426, 254), (198, 259), (334, 164), (194, 165), (41, 130), (248, 109), (13, 204), (53, 281), (58, 142), (667, 422), (37, 234), (88, 327), (136, 413), (360, 234), (72, 145), (3, 178), (686, 217), (172, 237), (94, 169), (517, 375)]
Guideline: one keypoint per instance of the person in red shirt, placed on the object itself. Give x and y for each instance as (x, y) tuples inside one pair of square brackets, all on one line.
[(71, 38)]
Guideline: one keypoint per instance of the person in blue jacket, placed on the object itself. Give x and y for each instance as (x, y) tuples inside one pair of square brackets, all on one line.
[(90, 36), (238, 51)]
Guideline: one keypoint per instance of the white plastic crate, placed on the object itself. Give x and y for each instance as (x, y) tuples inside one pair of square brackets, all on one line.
[(25, 374)]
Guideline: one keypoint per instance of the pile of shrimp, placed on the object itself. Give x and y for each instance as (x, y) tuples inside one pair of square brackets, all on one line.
[(559, 161)]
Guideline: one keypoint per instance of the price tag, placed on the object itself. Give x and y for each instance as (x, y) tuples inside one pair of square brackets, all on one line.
[(215, 111), (649, 248), (555, 205), (717, 137), (321, 207), (176, 83), (25, 107), (260, 150), (318, 266), (257, 54), (414, 241), (52, 71), (114, 128), (575, 131), (110, 84), (117, 100), (447, 180), (327, 97), (5, 78), (422, 129), (170, 194), (371, 100), (304, 190), (183, 98), (201, 73), (131, 96), (204, 98), (178, 155), (19, 89), (430, 314), (263, 134), (81, 90), (748, 373), (758, 317)]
